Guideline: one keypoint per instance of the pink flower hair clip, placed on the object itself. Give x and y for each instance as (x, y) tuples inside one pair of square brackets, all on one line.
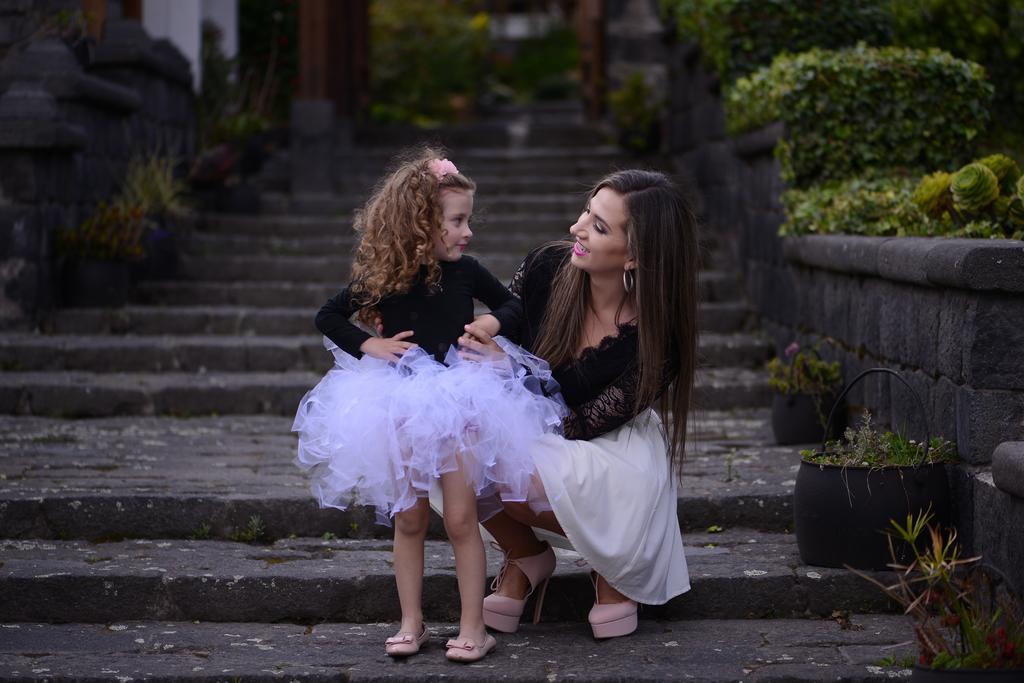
[(441, 167)]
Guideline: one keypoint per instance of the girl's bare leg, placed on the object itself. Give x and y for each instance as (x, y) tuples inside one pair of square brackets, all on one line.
[(460, 522), (410, 534)]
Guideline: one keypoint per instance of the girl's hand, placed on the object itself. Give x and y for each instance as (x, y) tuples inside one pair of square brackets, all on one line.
[(388, 348), (477, 342)]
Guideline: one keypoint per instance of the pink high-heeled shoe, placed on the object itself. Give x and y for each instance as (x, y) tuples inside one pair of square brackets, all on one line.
[(503, 613), (612, 619)]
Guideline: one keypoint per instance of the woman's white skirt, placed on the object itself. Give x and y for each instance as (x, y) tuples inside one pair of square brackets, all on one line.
[(616, 499)]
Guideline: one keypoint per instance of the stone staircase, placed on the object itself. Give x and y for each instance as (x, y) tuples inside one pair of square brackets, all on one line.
[(168, 535)]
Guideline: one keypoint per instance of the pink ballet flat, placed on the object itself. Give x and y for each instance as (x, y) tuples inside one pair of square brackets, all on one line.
[(503, 613), (404, 644), (466, 650), (613, 619)]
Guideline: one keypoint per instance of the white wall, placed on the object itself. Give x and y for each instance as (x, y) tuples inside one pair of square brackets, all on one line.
[(224, 13), (178, 21)]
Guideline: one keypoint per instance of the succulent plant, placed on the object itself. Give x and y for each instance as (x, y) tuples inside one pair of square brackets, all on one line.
[(1006, 169), (974, 187), (1020, 188), (932, 194)]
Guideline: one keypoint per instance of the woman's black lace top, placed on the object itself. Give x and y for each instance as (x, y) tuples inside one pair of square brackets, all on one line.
[(600, 386), (436, 315)]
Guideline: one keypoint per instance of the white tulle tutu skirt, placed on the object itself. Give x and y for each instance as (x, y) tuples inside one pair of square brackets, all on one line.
[(374, 432)]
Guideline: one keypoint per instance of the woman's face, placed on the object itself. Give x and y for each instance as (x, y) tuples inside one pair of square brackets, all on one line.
[(601, 246), (454, 238)]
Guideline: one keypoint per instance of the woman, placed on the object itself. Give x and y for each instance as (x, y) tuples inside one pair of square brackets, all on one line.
[(614, 313)]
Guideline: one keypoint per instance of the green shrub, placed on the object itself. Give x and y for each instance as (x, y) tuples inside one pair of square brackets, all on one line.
[(850, 110), (268, 57), (635, 113), (111, 233), (542, 67), (429, 60), (898, 204), (988, 32), (738, 36)]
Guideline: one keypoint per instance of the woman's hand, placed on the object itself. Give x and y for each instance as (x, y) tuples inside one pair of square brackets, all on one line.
[(488, 324), (388, 348), (477, 342)]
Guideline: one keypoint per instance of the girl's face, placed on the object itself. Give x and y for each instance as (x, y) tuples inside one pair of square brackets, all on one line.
[(601, 246), (454, 237)]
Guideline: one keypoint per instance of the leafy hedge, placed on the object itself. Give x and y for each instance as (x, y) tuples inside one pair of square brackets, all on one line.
[(849, 110), (988, 32), (739, 36), (983, 199)]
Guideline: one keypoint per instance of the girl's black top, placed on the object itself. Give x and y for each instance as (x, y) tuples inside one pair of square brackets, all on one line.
[(436, 314), (599, 387)]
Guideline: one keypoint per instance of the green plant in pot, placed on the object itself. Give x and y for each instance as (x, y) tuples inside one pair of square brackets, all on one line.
[(636, 113), (96, 255), (848, 490), (804, 386), (152, 185), (968, 621)]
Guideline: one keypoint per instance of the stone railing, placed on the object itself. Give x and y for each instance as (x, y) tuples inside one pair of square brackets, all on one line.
[(948, 314), (66, 136)]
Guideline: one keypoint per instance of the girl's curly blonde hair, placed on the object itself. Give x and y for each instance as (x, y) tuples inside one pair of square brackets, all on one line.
[(396, 230)]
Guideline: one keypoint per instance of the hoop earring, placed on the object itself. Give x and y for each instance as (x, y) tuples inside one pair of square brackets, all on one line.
[(628, 280)]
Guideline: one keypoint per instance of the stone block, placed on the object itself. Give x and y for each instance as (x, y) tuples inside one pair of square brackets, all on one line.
[(953, 327), (985, 418), (904, 259), (977, 264), (1008, 468), (709, 120), (998, 519), (994, 341), (18, 181)]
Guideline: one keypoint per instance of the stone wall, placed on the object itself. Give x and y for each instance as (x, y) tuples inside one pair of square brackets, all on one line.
[(947, 314), (68, 127)]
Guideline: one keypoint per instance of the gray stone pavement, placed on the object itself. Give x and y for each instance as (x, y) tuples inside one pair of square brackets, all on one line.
[(853, 649), (167, 477)]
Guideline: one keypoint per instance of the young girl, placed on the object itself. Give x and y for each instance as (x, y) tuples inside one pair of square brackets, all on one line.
[(399, 411)]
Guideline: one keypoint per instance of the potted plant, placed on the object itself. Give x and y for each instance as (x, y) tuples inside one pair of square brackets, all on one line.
[(804, 386), (96, 256), (636, 114), (968, 622), (152, 185), (848, 491)]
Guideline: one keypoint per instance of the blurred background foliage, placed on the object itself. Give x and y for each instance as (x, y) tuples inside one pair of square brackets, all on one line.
[(442, 61)]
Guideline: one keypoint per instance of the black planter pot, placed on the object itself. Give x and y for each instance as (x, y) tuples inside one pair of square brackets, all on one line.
[(91, 283), (795, 419), (161, 257), (841, 514), (925, 675)]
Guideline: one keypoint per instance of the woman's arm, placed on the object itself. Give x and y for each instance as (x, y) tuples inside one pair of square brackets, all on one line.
[(613, 407)]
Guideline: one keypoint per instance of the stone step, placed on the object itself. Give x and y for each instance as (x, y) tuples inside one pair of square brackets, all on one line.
[(162, 477), (486, 205), (336, 268), (87, 394), (480, 136), (258, 315), (739, 574), (848, 648), (238, 353), (545, 226)]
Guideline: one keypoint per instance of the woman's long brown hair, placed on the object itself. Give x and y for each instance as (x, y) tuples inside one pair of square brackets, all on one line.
[(396, 229), (661, 229)]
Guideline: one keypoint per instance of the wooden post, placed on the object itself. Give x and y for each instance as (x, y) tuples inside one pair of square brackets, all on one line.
[(95, 12), (333, 53)]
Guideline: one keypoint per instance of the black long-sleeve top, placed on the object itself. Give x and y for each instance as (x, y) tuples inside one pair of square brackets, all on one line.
[(436, 314), (600, 386)]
